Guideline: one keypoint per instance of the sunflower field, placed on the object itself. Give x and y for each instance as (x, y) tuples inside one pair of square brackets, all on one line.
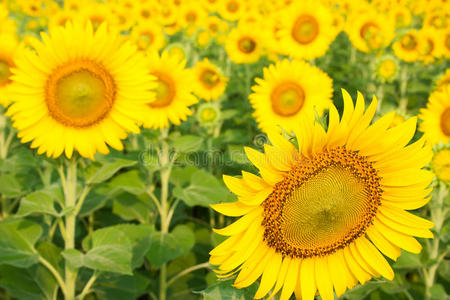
[(224, 149)]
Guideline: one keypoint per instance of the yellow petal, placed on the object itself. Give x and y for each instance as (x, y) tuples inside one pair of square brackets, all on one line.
[(399, 239), (232, 209), (270, 275), (242, 223), (355, 268), (404, 217), (414, 231), (373, 257), (323, 279), (338, 270), (307, 279), (388, 249), (290, 280)]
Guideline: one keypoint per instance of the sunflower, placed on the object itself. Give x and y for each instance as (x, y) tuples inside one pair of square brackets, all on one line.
[(305, 31), (290, 91), (369, 30), (191, 16), (146, 11), (61, 17), (444, 43), (231, 10), (97, 14), (148, 36), (8, 48), (211, 5), (444, 80), (209, 82), (215, 25), (386, 68), (80, 89), (244, 45), (429, 48), (436, 117), (407, 47), (173, 91), (441, 164), (319, 217), (402, 16), (8, 25)]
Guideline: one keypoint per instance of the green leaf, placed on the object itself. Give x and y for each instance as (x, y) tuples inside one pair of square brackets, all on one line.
[(17, 239), (93, 202), (74, 258), (362, 291), (237, 154), (108, 169), (34, 283), (204, 190), (408, 260), (129, 182), (52, 254), (117, 248), (37, 202), (182, 175), (224, 290), (187, 143), (437, 292), (166, 247), (111, 286), (10, 187), (129, 208)]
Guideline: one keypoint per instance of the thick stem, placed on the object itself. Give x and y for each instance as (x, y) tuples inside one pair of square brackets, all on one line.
[(164, 206), (70, 201), (438, 215)]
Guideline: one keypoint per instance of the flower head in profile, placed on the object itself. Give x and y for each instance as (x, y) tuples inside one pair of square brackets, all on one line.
[(79, 90), (324, 210), (436, 117)]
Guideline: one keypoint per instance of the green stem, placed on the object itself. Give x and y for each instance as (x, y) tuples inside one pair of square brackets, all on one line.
[(187, 271), (380, 96), (403, 105), (438, 216), (70, 201), (87, 287), (55, 273), (164, 206)]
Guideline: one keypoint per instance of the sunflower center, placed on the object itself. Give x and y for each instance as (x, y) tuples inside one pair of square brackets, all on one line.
[(232, 6), (80, 94), (191, 17), (5, 72), (447, 41), (408, 42), (287, 99), (209, 78), (208, 114), (305, 29), (145, 40), (165, 91), (322, 205), (246, 45), (445, 121), (366, 29)]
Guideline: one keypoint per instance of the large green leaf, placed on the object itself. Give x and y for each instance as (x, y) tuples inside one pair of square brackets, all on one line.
[(166, 247), (187, 143), (107, 170), (204, 189), (128, 207), (17, 239), (224, 290), (130, 182), (34, 283), (111, 286), (117, 249), (10, 187), (40, 202)]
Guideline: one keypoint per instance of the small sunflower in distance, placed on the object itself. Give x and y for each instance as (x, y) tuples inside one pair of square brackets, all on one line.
[(244, 45), (290, 91), (8, 48), (209, 82), (173, 91), (306, 30), (79, 90), (436, 117), (407, 47), (320, 215), (441, 164)]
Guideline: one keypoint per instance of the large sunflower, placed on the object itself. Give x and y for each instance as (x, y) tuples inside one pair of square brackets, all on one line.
[(173, 91), (305, 32), (79, 90), (289, 92), (436, 117), (319, 215)]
